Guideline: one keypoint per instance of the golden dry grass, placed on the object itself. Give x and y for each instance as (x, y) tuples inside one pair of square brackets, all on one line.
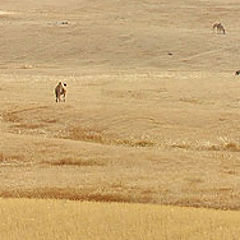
[(60, 220), (155, 148), (152, 113), (152, 116)]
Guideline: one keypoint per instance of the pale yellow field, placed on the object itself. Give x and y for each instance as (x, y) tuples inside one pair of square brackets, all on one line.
[(61, 219), (152, 112)]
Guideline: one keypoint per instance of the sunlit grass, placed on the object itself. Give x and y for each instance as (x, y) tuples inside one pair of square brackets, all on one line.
[(61, 219)]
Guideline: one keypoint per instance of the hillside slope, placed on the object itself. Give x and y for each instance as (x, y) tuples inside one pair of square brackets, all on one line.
[(119, 34)]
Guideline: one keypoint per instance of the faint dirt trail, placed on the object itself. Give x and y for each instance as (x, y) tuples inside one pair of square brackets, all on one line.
[(203, 54)]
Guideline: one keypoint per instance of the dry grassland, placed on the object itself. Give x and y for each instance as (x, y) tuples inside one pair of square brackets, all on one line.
[(62, 220), (123, 139), (152, 112)]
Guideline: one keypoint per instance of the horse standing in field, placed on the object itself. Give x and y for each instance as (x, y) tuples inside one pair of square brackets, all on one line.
[(60, 90), (237, 72), (219, 27)]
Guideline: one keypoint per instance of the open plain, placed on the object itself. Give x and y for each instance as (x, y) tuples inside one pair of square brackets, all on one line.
[(152, 110)]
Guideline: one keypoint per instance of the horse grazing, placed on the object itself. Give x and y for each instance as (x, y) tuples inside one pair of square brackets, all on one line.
[(219, 27), (60, 90)]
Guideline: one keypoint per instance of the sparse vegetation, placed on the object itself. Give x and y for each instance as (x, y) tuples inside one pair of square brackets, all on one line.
[(140, 144), (75, 162), (9, 158), (98, 136), (152, 116)]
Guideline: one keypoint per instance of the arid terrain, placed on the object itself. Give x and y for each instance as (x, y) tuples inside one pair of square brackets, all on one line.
[(152, 113)]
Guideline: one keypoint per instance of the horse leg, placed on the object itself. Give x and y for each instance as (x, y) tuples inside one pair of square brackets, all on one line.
[(57, 98)]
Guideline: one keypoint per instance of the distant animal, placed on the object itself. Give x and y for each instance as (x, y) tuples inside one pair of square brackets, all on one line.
[(219, 27), (60, 90), (214, 26), (64, 22), (237, 72)]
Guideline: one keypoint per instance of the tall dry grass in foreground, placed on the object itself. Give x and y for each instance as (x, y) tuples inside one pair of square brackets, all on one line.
[(62, 219)]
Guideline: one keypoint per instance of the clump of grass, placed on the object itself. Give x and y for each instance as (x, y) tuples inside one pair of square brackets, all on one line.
[(190, 100), (86, 134), (225, 144), (50, 120), (182, 145), (75, 162), (229, 144), (95, 195), (135, 142), (8, 158), (29, 125), (98, 136), (27, 66), (11, 117), (233, 147)]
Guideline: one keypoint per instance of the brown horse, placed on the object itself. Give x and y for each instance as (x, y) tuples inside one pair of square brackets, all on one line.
[(219, 27), (60, 90), (237, 72)]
